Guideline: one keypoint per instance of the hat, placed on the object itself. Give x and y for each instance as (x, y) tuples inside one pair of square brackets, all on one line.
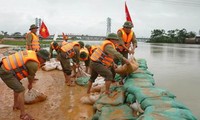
[(87, 46), (112, 36), (33, 26), (128, 24), (44, 54), (81, 43)]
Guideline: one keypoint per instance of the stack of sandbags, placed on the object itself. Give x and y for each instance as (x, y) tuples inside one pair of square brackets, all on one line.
[(33, 96), (51, 65), (127, 69)]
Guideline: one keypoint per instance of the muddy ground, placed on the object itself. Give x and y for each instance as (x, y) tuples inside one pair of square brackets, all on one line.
[(63, 102)]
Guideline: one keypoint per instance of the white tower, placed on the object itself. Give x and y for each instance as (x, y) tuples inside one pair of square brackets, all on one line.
[(108, 26)]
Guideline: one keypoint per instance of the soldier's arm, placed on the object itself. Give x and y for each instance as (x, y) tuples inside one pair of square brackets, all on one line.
[(51, 51), (134, 42), (115, 54), (76, 58), (32, 68), (29, 41)]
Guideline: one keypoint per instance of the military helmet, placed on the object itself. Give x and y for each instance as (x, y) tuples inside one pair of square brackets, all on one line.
[(87, 46), (81, 43), (83, 55), (33, 26), (44, 54), (128, 24), (112, 36)]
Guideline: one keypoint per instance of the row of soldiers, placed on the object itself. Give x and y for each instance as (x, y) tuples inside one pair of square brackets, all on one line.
[(99, 59)]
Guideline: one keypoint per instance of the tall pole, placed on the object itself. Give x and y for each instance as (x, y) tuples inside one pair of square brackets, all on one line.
[(108, 26)]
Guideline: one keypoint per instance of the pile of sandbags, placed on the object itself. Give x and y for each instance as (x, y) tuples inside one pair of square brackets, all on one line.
[(33, 96), (127, 69), (51, 65)]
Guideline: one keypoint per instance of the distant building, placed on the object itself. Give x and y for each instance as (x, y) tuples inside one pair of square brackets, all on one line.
[(197, 39)]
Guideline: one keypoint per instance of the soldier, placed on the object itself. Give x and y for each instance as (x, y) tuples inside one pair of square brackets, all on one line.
[(32, 40), (20, 65), (55, 46), (102, 61), (84, 56), (69, 51), (126, 36), (90, 48)]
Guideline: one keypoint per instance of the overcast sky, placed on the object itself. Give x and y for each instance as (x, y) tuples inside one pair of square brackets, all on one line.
[(89, 16)]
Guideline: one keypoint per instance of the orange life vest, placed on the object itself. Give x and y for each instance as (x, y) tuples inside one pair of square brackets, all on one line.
[(64, 42), (86, 51), (16, 63), (35, 45), (126, 38), (68, 48), (92, 49), (99, 55), (54, 48)]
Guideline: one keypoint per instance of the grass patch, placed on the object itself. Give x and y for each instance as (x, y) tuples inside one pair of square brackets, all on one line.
[(23, 42)]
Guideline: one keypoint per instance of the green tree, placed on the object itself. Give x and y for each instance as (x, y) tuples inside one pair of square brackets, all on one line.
[(191, 34), (182, 34)]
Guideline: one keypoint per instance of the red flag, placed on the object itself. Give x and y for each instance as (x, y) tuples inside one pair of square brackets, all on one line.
[(43, 30), (64, 36), (128, 17)]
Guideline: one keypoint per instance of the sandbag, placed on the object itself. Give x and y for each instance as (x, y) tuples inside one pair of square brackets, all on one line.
[(33, 96), (115, 98), (143, 93), (129, 98), (97, 88), (180, 113), (83, 81), (142, 76), (142, 64), (89, 99), (164, 102), (137, 82), (127, 69), (121, 112), (51, 65), (159, 116), (59, 67)]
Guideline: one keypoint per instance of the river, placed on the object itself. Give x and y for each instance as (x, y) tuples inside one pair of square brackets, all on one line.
[(176, 67)]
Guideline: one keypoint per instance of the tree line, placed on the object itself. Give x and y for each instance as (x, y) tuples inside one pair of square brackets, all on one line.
[(171, 36)]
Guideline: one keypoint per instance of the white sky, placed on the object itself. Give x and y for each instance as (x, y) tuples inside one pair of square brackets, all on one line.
[(89, 16)]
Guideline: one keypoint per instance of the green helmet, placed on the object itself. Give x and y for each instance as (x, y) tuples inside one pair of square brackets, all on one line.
[(128, 24), (33, 26), (44, 54), (112, 36), (87, 46), (81, 43), (83, 55)]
